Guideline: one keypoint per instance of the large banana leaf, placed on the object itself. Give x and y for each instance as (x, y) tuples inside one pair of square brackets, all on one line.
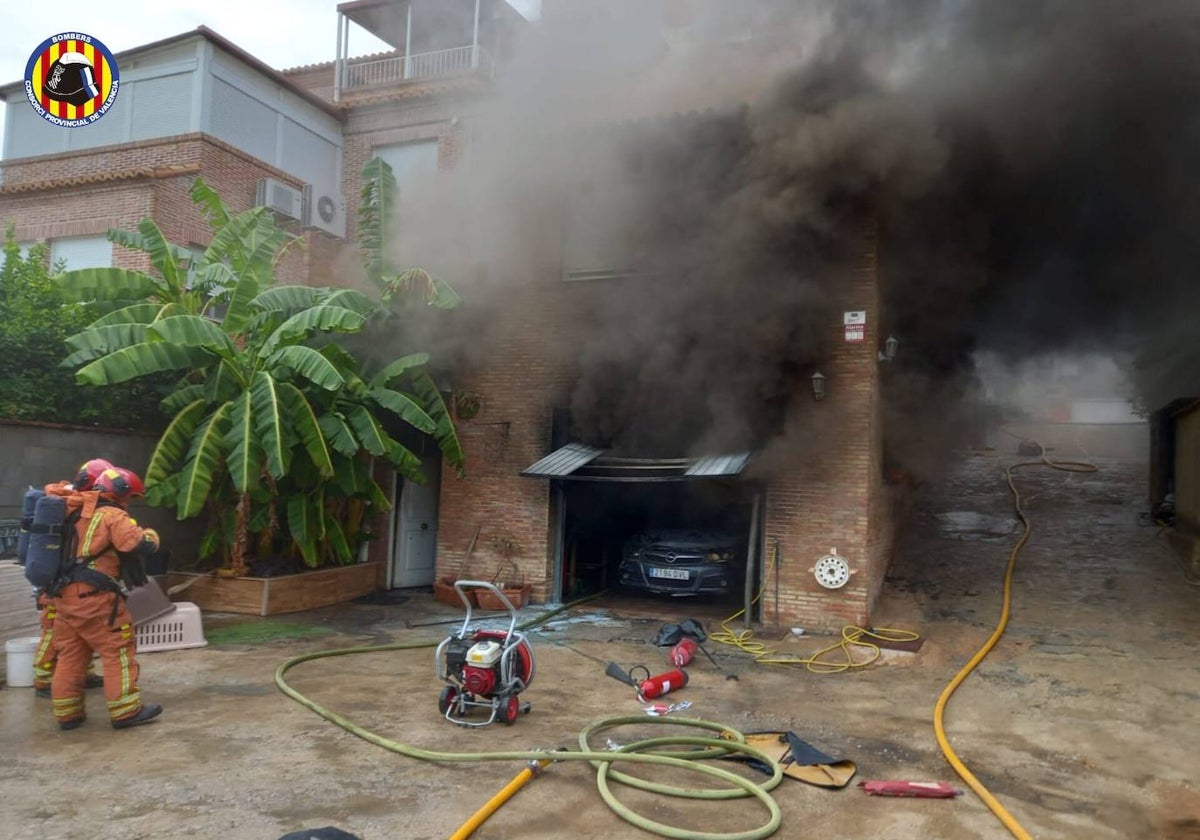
[(404, 407), (366, 429), (225, 381), (230, 241), (304, 422), (210, 203), (174, 444), (138, 313), (139, 242), (203, 465), (377, 497), (245, 457), (306, 521), (194, 331), (336, 537), (405, 462), (342, 359), (316, 319), (286, 298), (351, 475), (339, 434), (419, 283), (445, 434), (95, 342), (399, 367), (238, 312), (183, 396), (351, 299), (310, 364), (162, 256), (86, 284), (269, 422), (140, 360)]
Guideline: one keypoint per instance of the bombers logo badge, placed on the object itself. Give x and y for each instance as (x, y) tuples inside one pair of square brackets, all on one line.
[(71, 80)]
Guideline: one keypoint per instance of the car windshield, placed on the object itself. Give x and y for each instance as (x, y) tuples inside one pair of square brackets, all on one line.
[(685, 538)]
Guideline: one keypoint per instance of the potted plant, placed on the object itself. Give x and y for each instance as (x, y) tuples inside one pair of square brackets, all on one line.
[(509, 578)]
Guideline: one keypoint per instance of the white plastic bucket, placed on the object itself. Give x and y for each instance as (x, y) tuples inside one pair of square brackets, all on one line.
[(19, 654)]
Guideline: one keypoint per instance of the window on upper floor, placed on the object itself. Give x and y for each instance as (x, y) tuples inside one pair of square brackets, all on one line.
[(411, 163), (77, 252), (598, 230)]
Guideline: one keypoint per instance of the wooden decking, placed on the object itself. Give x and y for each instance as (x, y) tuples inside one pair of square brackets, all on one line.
[(18, 614)]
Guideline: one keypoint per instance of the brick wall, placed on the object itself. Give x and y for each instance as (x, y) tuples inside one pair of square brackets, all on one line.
[(822, 479), (87, 192)]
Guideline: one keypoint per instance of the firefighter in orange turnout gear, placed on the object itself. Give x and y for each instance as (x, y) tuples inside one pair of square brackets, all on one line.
[(91, 611), (47, 651)]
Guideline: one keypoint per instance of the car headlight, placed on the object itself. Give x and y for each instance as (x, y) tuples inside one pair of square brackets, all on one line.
[(719, 556)]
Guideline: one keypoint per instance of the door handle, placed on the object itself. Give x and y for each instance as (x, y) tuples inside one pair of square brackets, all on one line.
[(424, 526)]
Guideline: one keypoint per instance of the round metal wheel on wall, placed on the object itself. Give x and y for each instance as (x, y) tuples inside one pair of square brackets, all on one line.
[(447, 698), (510, 707)]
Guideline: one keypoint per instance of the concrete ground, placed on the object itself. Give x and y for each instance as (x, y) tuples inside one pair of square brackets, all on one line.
[(1082, 721)]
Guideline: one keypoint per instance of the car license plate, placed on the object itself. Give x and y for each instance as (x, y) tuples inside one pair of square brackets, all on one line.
[(669, 574)]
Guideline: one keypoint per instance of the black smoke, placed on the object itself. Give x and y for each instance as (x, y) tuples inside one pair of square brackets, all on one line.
[(1028, 168)]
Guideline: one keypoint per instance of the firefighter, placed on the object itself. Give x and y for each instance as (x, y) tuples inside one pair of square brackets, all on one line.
[(47, 652), (91, 611)]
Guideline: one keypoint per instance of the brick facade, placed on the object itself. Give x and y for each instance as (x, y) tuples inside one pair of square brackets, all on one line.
[(821, 481), (87, 192)]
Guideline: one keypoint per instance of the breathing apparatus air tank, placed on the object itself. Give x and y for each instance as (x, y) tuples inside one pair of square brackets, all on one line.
[(43, 561), (28, 505)]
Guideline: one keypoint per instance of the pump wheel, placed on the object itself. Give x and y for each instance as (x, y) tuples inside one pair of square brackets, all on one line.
[(509, 709), (447, 698)]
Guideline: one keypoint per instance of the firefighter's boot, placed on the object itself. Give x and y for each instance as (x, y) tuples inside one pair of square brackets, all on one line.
[(146, 714)]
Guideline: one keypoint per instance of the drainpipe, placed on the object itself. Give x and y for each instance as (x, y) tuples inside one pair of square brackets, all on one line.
[(475, 40), (751, 559), (337, 64), (408, 41)]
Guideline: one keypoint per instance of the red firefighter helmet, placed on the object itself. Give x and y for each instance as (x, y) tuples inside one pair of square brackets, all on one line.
[(89, 471), (120, 484)]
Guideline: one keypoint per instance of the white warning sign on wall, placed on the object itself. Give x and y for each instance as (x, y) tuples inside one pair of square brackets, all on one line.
[(855, 324)]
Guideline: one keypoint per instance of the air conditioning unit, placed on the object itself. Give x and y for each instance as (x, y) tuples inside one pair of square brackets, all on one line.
[(284, 199), (322, 209)]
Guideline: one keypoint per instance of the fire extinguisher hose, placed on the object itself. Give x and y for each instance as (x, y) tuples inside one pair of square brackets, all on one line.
[(724, 742)]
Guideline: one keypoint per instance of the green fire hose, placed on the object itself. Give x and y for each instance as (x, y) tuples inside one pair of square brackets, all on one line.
[(649, 751)]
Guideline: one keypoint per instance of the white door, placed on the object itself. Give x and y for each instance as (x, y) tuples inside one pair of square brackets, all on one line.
[(415, 553)]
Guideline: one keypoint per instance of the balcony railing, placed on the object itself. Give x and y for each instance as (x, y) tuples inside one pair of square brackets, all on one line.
[(385, 71)]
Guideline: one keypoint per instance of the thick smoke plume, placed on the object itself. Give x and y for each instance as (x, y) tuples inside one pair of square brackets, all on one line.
[(1028, 167)]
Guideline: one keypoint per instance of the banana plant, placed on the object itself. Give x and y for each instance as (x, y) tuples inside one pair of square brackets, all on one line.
[(376, 221), (230, 272), (274, 426)]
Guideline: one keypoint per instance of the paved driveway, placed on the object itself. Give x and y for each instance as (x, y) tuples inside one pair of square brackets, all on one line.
[(1082, 721)]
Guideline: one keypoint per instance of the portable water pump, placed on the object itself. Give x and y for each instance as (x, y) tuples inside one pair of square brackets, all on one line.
[(486, 669)]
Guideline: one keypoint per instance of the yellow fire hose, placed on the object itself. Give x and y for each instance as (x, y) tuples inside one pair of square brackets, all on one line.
[(506, 793), (939, 710), (648, 751)]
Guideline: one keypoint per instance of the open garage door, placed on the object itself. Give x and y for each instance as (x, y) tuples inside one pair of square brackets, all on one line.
[(650, 528)]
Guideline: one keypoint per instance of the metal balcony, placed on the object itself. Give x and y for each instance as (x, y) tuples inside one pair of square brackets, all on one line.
[(403, 68)]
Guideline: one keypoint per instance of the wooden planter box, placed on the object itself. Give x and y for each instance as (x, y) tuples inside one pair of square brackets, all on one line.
[(284, 594)]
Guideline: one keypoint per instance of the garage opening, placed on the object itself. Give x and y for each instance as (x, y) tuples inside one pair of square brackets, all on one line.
[(650, 529)]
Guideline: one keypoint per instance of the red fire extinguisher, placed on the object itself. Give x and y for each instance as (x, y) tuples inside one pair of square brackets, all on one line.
[(683, 652), (661, 684)]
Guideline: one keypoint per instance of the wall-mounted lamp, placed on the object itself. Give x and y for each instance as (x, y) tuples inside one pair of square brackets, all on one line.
[(818, 385), (889, 349)]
